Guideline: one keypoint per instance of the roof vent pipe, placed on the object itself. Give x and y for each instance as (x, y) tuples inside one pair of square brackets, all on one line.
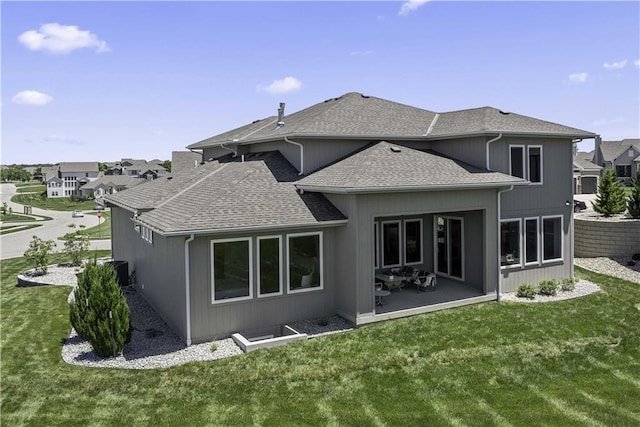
[(281, 114)]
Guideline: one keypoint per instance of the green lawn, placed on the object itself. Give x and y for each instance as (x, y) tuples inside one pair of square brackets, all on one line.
[(32, 189), (569, 363), (104, 230), (15, 217), (54, 204), (8, 229)]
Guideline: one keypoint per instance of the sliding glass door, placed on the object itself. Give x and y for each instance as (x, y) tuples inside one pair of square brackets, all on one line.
[(449, 246)]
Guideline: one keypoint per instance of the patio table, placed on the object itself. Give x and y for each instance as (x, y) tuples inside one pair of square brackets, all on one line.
[(390, 281)]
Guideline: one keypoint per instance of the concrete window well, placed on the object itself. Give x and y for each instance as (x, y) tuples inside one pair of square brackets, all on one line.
[(268, 337)]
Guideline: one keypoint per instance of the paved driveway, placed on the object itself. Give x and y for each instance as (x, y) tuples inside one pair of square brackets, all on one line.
[(14, 244), (588, 199)]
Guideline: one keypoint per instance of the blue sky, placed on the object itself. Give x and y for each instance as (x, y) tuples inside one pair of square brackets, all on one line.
[(99, 81)]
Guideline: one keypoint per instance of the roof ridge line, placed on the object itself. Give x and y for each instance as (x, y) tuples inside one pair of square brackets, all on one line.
[(259, 129), (433, 123), (184, 190)]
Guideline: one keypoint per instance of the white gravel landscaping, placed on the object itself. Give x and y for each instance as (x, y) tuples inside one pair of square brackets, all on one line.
[(583, 288)]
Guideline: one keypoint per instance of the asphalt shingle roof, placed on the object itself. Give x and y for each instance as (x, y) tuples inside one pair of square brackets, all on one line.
[(584, 161), (78, 167), (229, 194), (184, 162), (612, 149), (354, 115), (115, 180), (384, 166)]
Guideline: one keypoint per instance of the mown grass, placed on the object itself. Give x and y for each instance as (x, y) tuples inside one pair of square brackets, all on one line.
[(102, 231), (54, 204), (8, 229), (14, 217), (32, 188), (570, 363)]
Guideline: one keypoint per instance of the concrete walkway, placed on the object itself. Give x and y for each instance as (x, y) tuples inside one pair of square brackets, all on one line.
[(15, 244)]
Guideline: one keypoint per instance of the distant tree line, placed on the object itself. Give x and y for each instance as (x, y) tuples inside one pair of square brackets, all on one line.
[(15, 173)]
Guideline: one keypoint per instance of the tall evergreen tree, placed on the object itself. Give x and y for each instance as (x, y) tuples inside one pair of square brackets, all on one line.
[(633, 204), (610, 199)]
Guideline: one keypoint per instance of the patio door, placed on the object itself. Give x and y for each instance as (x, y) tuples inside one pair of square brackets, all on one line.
[(449, 246)]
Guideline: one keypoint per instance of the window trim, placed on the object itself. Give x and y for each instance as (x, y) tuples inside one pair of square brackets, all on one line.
[(421, 243), (376, 243), (400, 242), (520, 241), (280, 270), (320, 262), (524, 234), (529, 147), (213, 275), (147, 234), (554, 260), (524, 165)]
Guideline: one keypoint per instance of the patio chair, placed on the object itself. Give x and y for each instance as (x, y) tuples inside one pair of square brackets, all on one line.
[(425, 281)]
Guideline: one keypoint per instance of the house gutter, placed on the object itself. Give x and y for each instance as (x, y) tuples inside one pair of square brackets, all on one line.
[(235, 152), (489, 143), (412, 188), (235, 230), (187, 286), (200, 153), (499, 290), (286, 139)]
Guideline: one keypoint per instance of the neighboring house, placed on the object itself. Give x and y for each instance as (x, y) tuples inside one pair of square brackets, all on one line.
[(586, 174), (291, 217), (138, 168), (623, 157), (48, 172), (110, 184), (70, 177)]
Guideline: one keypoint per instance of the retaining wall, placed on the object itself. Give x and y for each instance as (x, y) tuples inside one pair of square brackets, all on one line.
[(599, 238)]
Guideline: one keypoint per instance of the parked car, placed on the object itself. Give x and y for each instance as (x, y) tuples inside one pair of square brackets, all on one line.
[(77, 214), (98, 208), (579, 205)]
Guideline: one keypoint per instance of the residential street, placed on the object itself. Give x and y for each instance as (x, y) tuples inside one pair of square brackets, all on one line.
[(14, 244)]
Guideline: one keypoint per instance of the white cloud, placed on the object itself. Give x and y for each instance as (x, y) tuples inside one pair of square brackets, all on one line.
[(637, 63), (32, 97), (361, 52), (578, 77), (58, 139), (285, 85), (607, 122), (410, 6), (56, 38), (615, 65)]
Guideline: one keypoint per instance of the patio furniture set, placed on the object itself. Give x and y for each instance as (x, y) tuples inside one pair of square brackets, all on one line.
[(398, 278)]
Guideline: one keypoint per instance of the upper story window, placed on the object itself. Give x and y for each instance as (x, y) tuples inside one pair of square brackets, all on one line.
[(531, 158)]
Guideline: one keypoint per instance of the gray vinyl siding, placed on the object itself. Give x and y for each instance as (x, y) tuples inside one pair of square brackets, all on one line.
[(318, 154), (291, 152), (625, 159), (214, 321), (548, 199), (354, 254), (216, 152), (159, 268), (469, 150)]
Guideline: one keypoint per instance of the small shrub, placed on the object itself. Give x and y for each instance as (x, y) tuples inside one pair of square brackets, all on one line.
[(635, 257), (214, 347), (548, 287), (610, 199), (568, 284), (99, 312), (526, 291), (76, 244), (39, 254)]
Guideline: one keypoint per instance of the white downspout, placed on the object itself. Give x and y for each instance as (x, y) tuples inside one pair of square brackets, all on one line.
[(235, 152), (499, 290), (301, 153), (187, 286), (488, 143)]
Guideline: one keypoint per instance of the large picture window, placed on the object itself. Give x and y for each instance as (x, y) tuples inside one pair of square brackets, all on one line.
[(552, 238), (535, 163), (510, 243), (413, 241), (516, 160), (232, 277), (391, 244), (304, 261), (623, 171), (269, 266), (531, 232)]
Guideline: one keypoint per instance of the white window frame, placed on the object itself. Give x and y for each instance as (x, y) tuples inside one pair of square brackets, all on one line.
[(421, 243), (524, 243), (320, 262), (280, 270), (524, 164), (554, 260), (400, 243), (520, 242), (529, 147), (376, 243), (213, 276)]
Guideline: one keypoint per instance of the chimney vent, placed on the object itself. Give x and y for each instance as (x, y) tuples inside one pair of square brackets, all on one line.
[(281, 115)]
